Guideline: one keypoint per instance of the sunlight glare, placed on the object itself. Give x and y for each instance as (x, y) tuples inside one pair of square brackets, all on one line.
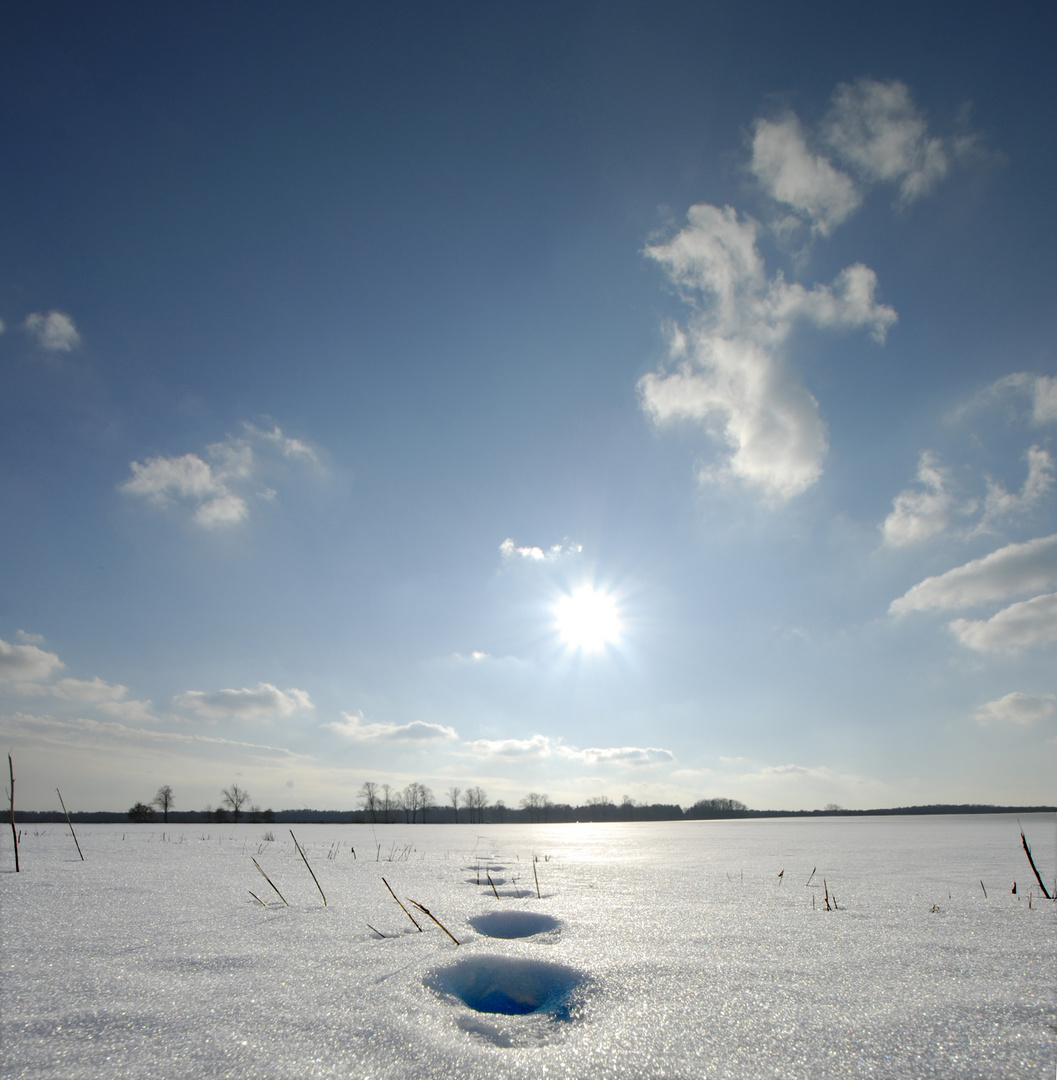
[(587, 619)]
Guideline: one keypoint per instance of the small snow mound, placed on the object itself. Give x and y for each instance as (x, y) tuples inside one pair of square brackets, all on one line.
[(513, 924), (509, 986)]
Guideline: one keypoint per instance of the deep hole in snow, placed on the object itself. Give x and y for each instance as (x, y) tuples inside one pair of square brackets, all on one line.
[(513, 924), (508, 985)]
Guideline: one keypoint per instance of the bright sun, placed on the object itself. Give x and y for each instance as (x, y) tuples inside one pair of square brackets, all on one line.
[(587, 619)]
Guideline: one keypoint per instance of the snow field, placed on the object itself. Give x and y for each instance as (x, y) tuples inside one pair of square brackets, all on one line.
[(668, 949)]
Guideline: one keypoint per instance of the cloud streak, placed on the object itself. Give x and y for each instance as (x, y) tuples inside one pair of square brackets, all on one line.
[(1012, 570), (265, 701), (352, 726)]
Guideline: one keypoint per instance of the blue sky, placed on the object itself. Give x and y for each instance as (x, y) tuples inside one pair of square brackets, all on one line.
[(341, 347)]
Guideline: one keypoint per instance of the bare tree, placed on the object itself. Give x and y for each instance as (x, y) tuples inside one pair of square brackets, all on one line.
[(627, 804), (389, 802), (236, 798), (453, 798), (475, 801), (599, 805), (368, 795), (164, 801), (536, 804)]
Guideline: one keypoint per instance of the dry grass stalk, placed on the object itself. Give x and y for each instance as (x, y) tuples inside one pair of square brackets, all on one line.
[(301, 852), (426, 911), (490, 882), (536, 879), (402, 908), (826, 898), (1027, 851), (982, 887), (257, 898), (808, 882), (269, 880), (14, 831), (70, 823), (378, 932)]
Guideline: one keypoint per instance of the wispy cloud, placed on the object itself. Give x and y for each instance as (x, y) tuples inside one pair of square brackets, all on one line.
[(53, 332), (353, 726), (877, 130), (264, 701), (1017, 709), (217, 488), (728, 368), (923, 511)]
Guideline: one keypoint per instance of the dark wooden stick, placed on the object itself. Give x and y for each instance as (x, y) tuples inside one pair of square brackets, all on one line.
[(14, 831), (269, 880), (70, 823), (301, 852), (402, 908), (1027, 851), (426, 911)]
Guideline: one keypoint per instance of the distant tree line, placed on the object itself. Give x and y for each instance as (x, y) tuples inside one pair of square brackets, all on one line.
[(416, 804)]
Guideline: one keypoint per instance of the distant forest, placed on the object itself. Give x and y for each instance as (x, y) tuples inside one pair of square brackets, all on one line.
[(537, 808)]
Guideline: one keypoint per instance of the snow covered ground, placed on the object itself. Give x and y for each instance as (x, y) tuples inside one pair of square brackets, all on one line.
[(668, 949)]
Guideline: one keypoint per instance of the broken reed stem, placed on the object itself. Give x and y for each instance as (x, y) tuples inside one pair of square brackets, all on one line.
[(269, 880), (982, 887), (14, 831), (808, 882), (490, 882), (70, 823), (301, 852), (402, 908), (536, 879), (826, 897), (257, 898), (426, 911), (1027, 851)]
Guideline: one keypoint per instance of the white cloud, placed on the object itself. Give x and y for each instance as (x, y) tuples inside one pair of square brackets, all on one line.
[(29, 639), (217, 490), (26, 663), (791, 174), (1009, 571), (539, 746), (352, 726), (618, 755), (89, 691), (876, 129), (54, 332), (730, 372), (1022, 625), (1017, 708), (263, 701), (921, 513), (509, 550)]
